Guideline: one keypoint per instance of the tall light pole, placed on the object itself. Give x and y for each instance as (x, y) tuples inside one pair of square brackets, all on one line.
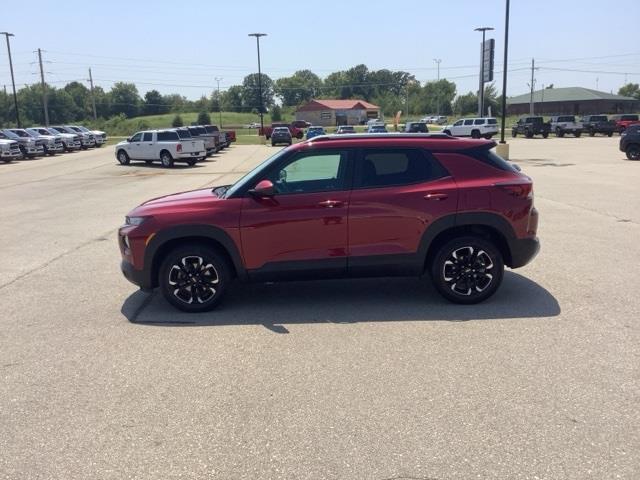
[(217, 79), (481, 90), (13, 81), (258, 35), (504, 73), (438, 60)]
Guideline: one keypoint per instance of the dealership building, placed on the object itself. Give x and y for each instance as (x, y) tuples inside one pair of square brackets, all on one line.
[(571, 101), (337, 112)]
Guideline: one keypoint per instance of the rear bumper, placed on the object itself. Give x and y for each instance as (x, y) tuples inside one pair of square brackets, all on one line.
[(523, 251), (137, 277)]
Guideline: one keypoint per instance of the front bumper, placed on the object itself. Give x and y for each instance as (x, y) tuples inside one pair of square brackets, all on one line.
[(10, 155), (134, 276), (523, 251), (187, 155)]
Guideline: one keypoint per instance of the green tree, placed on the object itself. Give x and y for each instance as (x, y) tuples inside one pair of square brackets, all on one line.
[(299, 88), (81, 97), (215, 101), (154, 103), (437, 94), (124, 98), (630, 90), (231, 99), (276, 113), (465, 104), (177, 121), (175, 102), (251, 92), (204, 118)]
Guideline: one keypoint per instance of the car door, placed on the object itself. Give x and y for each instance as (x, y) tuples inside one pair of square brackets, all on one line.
[(457, 128), (134, 147), (148, 147), (397, 194), (303, 227), (467, 126)]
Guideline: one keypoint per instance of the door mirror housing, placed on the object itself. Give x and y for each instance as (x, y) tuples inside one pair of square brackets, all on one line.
[(264, 188), (129, 139)]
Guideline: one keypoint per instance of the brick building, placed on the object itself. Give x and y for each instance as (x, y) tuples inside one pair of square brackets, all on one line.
[(337, 112)]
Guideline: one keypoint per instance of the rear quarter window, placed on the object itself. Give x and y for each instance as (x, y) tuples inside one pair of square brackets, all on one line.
[(491, 158), (168, 137)]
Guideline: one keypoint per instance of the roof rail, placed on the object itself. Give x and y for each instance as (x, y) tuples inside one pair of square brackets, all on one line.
[(399, 135)]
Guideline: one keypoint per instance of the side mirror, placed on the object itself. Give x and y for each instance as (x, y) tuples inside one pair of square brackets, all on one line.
[(129, 139), (264, 188)]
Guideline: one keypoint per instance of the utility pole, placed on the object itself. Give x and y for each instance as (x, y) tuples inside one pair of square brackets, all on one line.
[(93, 97), (217, 79), (13, 81), (438, 60), (504, 73), (597, 79), (258, 35), (45, 105), (533, 80)]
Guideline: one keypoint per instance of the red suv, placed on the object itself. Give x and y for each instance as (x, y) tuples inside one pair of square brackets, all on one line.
[(341, 206)]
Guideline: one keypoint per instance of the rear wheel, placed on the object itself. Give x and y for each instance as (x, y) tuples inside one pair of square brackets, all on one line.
[(514, 133), (577, 133), (475, 134), (193, 278), (633, 152), (545, 134), (467, 270), (559, 132), (166, 159), (610, 134), (592, 132), (123, 158), (528, 133)]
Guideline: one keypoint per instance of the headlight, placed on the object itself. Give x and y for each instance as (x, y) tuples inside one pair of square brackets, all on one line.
[(135, 220)]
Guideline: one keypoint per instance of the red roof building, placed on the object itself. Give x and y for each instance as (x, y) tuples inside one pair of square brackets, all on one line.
[(337, 112)]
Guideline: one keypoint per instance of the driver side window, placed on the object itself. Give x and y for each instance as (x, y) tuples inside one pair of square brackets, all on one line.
[(136, 138), (458, 123), (311, 172)]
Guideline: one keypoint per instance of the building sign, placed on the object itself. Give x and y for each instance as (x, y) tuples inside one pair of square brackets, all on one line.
[(325, 115)]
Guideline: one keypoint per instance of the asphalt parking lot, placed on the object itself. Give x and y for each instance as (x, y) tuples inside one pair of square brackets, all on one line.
[(368, 379)]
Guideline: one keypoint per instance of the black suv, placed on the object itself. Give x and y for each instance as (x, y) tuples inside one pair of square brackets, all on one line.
[(593, 124), (630, 142), (416, 127), (530, 126)]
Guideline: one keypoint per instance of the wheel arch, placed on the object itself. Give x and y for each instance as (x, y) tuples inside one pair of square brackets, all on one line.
[(163, 242)]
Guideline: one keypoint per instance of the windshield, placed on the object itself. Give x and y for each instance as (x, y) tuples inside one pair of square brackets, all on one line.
[(242, 181), (84, 129), (10, 134), (21, 133), (32, 132)]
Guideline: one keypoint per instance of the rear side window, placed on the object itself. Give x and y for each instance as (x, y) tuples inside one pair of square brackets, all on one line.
[(184, 134), (168, 137), (468, 122), (478, 121), (599, 118), (492, 121), (491, 158), (383, 168), (633, 118)]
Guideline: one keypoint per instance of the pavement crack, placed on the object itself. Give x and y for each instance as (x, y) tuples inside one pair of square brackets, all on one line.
[(597, 212)]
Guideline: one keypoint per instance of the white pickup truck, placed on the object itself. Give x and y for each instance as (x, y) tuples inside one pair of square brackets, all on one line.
[(9, 150), (160, 145)]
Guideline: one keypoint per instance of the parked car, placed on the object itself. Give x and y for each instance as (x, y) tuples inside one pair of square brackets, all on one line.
[(315, 131), (480, 127), (416, 127), (563, 124), (295, 131), (70, 141), (530, 126), (99, 136), (211, 139), (345, 129), (630, 142), (377, 128), (300, 124), (165, 146), (87, 140), (281, 135), (624, 121), (374, 121), (412, 205), (9, 150), (593, 124), (439, 120), (53, 143), (29, 146), (231, 136)]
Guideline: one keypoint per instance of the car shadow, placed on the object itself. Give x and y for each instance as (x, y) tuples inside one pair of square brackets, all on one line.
[(275, 305), (156, 165)]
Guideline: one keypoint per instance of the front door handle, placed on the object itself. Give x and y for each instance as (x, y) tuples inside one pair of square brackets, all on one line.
[(331, 203), (436, 196)]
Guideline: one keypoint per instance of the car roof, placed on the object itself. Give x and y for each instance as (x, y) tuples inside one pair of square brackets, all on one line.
[(434, 141)]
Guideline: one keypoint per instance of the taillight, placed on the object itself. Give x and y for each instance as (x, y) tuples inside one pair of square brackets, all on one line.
[(518, 190), (179, 148)]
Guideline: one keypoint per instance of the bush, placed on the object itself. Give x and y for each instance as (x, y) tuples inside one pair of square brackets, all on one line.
[(204, 118), (177, 121), (276, 114)]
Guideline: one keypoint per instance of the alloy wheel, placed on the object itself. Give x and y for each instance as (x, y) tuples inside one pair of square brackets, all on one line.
[(193, 280), (468, 271)]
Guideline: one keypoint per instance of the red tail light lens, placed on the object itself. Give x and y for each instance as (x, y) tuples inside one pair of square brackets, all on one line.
[(179, 148), (518, 190)]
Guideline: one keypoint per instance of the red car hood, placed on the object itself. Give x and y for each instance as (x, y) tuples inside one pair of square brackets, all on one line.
[(193, 199)]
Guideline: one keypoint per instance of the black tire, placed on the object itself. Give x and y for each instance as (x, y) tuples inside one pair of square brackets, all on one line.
[(273, 144), (633, 152), (467, 270), (191, 162), (610, 134), (559, 132), (577, 134), (514, 133), (545, 134), (123, 158), (166, 159), (475, 134), (528, 133), (193, 278), (447, 132), (488, 136), (299, 135), (592, 132)]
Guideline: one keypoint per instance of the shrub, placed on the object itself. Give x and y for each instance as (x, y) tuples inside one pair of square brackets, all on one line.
[(276, 113), (177, 121), (204, 118)]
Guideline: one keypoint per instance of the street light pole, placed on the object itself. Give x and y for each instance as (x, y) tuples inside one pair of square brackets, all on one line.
[(13, 81), (217, 79), (258, 35), (438, 60), (504, 73), (481, 89)]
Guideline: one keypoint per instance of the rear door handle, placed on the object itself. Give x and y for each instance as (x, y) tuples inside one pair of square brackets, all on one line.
[(436, 196), (331, 203)]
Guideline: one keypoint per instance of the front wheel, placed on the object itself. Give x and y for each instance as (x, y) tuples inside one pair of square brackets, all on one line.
[(514, 133), (578, 133), (592, 132), (610, 134), (123, 158), (166, 159), (467, 270), (447, 132), (193, 278), (545, 134), (559, 132), (633, 152)]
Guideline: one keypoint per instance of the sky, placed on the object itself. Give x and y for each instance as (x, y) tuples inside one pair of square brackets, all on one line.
[(183, 47)]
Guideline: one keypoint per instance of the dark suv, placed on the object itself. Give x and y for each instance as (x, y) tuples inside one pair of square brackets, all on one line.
[(630, 142), (593, 124), (341, 206), (530, 126)]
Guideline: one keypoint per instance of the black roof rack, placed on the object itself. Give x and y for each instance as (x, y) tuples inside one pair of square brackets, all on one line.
[(399, 135)]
